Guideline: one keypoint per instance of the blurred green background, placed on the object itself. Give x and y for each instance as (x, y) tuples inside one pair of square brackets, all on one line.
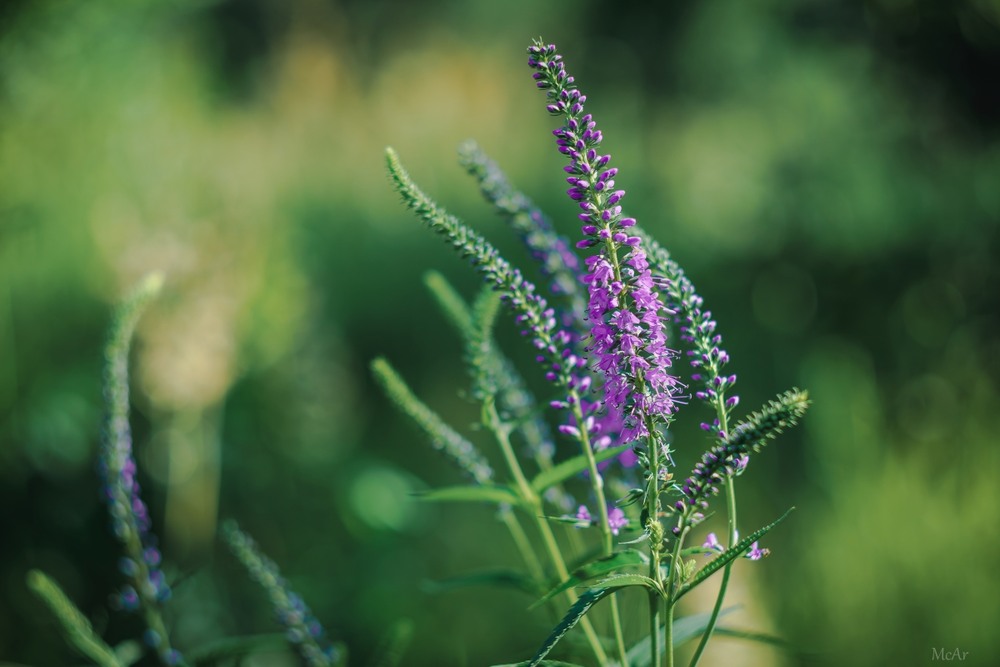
[(827, 172)]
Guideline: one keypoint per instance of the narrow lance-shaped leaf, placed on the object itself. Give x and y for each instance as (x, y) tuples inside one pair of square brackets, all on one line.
[(75, 626), (488, 493), (572, 467), (443, 438), (572, 617), (729, 555), (543, 663), (684, 630), (597, 568), (500, 578), (451, 302)]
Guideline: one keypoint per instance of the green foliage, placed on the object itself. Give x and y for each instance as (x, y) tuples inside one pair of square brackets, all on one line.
[(443, 438), (394, 644), (500, 578), (572, 467), (599, 567), (684, 630), (488, 493), (572, 617), (75, 626), (729, 555)]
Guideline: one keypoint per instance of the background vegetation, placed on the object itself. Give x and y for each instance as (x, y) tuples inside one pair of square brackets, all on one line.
[(827, 172)]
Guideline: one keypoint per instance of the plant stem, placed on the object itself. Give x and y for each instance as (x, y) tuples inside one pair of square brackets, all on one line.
[(720, 407), (675, 567), (523, 544), (491, 419), (655, 529), (597, 484)]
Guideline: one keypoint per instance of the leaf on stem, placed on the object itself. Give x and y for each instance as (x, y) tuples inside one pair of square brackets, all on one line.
[(490, 493), (502, 578), (76, 628), (730, 555), (572, 467), (594, 569), (684, 630), (572, 617)]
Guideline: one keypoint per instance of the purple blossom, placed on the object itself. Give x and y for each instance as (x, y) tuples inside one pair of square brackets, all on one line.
[(712, 542), (756, 553), (627, 338), (616, 520), (583, 518)]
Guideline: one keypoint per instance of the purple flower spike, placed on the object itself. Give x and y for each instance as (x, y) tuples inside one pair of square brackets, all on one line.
[(627, 339)]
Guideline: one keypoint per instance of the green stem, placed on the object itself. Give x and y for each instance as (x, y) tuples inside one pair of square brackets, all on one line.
[(523, 544), (501, 432), (675, 568), (597, 484), (720, 408)]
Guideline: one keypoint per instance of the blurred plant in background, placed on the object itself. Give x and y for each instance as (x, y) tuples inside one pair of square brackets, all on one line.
[(839, 158)]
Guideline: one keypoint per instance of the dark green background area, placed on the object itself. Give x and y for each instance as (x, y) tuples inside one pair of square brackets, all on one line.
[(827, 173)]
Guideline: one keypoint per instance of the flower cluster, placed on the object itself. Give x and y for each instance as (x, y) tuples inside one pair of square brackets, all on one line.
[(697, 329), (756, 552), (616, 518), (443, 438), (147, 586), (553, 251), (628, 339), (730, 457), (533, 312), (301, 627)]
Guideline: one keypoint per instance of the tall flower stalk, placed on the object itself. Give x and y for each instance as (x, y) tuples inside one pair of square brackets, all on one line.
[(607, 356), (146, 588), (627, 334)]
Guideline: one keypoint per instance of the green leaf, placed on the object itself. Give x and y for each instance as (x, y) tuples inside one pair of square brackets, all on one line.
[(594, 569), (502, 578), (626, 580), (472, 494), (394, 644), (450, 301), (571, 467), (759, 637), (685, 629), (729, 555), (76, 628), (220, 650), (543, 663), (572, 617)]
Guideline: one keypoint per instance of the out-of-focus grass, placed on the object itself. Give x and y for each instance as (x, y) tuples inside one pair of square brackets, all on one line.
[(839, 218)]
